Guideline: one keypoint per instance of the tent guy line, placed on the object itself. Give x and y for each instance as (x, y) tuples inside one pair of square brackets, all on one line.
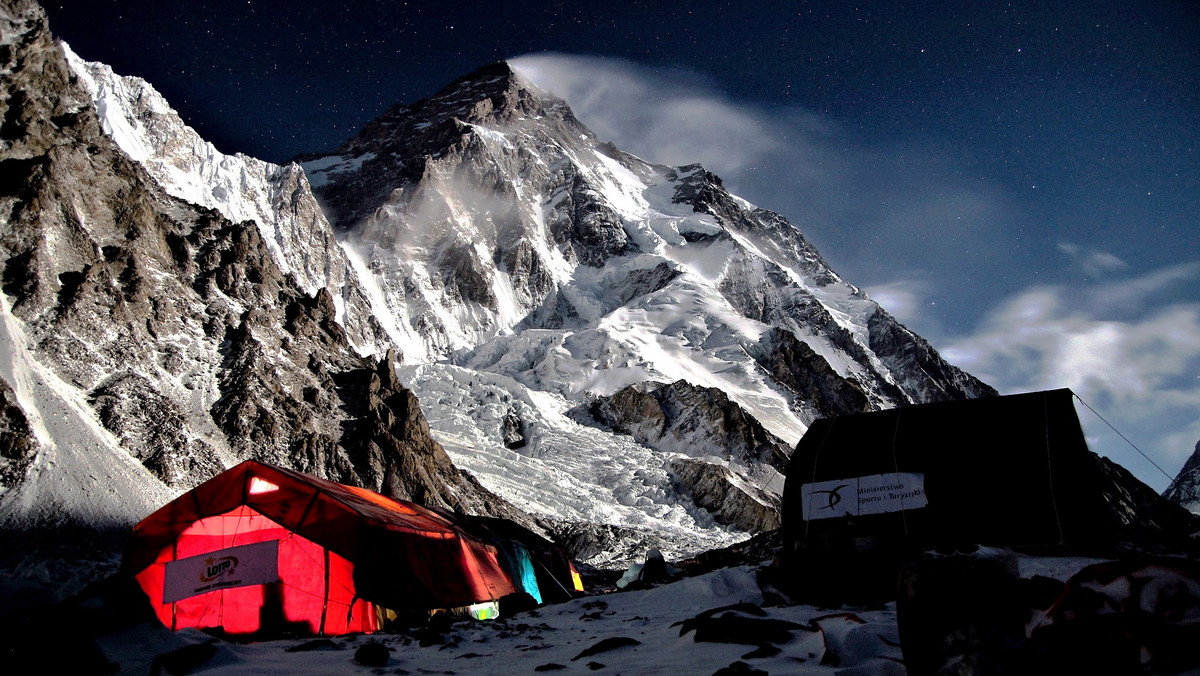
[(1171, 480)]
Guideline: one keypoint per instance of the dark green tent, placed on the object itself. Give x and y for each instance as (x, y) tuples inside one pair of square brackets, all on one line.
[(867, 492)]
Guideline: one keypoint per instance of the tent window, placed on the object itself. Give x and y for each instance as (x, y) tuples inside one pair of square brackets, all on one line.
[(259, 486)]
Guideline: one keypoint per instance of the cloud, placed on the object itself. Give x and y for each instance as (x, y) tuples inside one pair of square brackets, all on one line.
[(1140, 371), (904, 299), (677, 117), (1134, 295), (1092, 262)]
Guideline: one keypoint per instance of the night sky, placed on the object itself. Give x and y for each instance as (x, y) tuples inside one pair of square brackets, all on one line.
[(1017, 182)]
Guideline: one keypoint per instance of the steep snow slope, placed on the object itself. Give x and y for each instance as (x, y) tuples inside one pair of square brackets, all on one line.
[(80, 475)]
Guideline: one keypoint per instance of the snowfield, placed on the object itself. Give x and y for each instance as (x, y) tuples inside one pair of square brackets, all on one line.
[(694, 625), (566, 469)]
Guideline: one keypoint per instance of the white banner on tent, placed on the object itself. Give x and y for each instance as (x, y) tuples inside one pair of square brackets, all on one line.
[(856, 496), (240, 566)]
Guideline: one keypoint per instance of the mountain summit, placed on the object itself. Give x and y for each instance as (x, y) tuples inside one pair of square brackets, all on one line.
[(580, 322), (398, 144)]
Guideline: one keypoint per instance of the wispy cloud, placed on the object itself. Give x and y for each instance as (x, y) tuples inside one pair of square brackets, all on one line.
[(1136, 294), (1139, 368), (905, 300), (677, 117), (1092, 262)]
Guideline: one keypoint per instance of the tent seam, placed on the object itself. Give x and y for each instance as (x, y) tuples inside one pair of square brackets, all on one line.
[(816, 459), (1050, 469)]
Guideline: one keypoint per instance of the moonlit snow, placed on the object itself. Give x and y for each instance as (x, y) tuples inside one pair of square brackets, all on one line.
[(652, 631)]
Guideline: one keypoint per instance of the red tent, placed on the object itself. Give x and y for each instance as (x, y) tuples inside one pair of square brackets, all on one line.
[(262, 549)]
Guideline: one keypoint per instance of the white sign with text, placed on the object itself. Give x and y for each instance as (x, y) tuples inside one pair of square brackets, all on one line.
[(856, 496), (241, 566)]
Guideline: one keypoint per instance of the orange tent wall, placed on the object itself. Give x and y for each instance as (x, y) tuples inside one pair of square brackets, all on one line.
[(316, 585), (398, 555)]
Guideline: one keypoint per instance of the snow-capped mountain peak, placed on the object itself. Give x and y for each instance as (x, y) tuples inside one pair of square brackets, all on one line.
[(276, 198), (1185, 488), (518, 251)]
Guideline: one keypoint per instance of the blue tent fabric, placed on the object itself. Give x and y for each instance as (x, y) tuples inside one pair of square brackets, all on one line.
[(527, 577), (554, 576), (517, 563)]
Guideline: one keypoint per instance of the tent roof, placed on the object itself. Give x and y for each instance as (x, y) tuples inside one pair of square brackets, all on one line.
[(1017, 423), (325, 512), (1011, 470)]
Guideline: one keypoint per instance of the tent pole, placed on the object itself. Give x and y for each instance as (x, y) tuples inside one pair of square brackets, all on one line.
[(308, 508), (551, 575), (174, 606), (325, 600)]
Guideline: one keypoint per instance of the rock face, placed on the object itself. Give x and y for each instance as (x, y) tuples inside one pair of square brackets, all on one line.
[(1137, 510), (18, 447), (169, 337), (1185, 489), (718, 455), (795, 365), (731, 497), (692, 420), (276, 198)]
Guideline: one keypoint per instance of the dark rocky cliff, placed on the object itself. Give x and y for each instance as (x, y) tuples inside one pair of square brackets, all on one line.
[(175, 324)]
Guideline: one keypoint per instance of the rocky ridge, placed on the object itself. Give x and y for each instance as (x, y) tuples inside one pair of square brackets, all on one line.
[(152, 342), (276, 198), (1185, 488)]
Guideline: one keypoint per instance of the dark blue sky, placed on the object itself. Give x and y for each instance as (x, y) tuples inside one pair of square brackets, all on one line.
[(1087, 113), (974, 166)]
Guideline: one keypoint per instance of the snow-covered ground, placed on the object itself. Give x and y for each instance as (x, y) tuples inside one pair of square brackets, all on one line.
[(640, 625), (663, 630)]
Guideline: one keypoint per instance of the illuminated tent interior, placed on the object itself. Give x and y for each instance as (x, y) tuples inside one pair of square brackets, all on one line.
[(261, 549), (540, 567)]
